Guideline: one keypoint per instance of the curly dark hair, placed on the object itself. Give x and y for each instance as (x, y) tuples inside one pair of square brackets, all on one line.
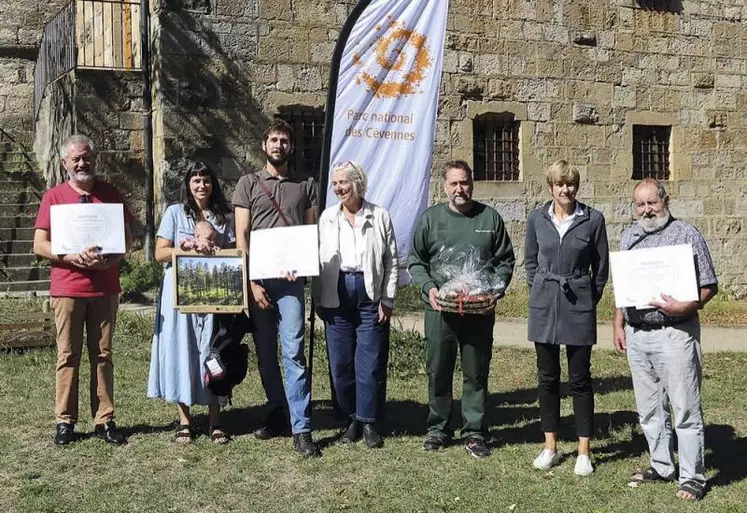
[(217, 202)]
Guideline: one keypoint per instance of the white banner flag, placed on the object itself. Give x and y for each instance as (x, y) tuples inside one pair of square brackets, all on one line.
[(386, 103)]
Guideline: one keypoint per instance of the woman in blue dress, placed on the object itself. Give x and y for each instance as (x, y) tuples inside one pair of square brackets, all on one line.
[(181, 342)]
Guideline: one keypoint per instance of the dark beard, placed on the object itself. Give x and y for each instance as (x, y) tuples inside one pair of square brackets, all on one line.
[(277, 161)]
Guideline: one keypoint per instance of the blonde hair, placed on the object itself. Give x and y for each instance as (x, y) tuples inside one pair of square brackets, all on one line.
[(561, 171), (356, 175)]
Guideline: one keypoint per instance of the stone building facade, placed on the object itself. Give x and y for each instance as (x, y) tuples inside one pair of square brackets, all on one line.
[(21, 23), (590, 82), (574, 77)]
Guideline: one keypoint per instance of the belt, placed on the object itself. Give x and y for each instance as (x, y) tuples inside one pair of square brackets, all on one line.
[(649, 326), (563, 279), (351, 272)]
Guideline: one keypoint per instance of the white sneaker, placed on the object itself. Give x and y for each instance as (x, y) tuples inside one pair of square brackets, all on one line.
[(583, 465), (546, 459)]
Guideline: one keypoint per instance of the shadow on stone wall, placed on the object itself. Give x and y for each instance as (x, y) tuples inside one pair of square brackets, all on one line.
[(55, 123), (208, 111), (109, 109), (661, 5)]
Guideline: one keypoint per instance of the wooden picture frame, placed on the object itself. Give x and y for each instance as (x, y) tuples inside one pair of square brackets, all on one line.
[(214, 283)]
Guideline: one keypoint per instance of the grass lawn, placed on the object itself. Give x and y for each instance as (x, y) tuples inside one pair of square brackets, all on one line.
[(151, 473)]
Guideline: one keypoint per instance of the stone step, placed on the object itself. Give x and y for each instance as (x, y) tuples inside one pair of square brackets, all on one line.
[(28, 175), (15, 155), (9, 260), (16, 234), (16, 167), (16, 246), (24, 287), (19, 195), (17, 221), (21, 185), (27, 273), (28, 209)]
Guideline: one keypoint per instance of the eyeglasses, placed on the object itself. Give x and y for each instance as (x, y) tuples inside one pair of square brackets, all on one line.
[(346, 164), (85, 198)]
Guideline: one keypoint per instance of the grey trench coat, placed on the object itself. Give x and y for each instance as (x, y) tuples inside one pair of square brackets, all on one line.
[(565, 277)]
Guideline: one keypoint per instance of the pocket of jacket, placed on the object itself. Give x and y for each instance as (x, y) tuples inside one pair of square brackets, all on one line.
[(581, 242), (581, 295), (541, 295)]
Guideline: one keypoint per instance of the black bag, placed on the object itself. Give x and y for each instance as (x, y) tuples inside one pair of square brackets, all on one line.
[(227, 364)]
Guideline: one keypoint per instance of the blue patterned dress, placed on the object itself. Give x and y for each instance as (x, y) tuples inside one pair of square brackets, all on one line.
[(181, 342)]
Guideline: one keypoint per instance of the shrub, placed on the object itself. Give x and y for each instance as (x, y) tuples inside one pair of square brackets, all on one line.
[(138, 278)]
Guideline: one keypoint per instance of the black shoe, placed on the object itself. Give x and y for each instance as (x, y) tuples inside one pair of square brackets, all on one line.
[(476, 447), (434, 443), (304, 444), (276, 424), (352, 434), (65, 433), (371, 437), (109, 433)]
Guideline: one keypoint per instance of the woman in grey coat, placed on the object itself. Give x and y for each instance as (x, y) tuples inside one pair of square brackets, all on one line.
[(566, 260)]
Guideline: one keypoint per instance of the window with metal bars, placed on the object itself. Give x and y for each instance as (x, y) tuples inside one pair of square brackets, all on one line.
[(651, 151), (308, 134), (496, 147)]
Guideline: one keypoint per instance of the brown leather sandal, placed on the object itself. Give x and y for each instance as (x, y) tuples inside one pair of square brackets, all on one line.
[(218, 435), (184, 434)]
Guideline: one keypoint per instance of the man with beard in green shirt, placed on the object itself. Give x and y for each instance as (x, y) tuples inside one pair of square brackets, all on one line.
[(461, 221)]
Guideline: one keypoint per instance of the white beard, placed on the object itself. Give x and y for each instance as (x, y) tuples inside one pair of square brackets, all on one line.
[(652, 224)]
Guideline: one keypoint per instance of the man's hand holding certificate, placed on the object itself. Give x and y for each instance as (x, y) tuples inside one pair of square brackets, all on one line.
[(660, 278)]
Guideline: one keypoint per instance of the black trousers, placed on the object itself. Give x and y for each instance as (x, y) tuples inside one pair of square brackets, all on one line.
[(579, 376)]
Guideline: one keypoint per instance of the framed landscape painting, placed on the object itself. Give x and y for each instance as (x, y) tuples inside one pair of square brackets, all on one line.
[(214, 283)]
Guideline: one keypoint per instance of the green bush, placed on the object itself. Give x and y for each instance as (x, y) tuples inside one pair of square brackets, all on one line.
[(139, 279)]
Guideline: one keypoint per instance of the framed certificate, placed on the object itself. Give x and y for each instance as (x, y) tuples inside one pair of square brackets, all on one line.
[(640, 276), (277, 251), (214, 283), (77, 226)]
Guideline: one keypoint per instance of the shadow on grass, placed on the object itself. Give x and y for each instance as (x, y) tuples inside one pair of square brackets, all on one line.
[(239, 421), (408, 417), (606, 385), (726, 453), (144, 429)]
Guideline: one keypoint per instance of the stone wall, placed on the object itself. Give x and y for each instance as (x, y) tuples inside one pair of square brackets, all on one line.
[(55, 123), (109, 109), (21, 24), (577, 75), (107, 106)]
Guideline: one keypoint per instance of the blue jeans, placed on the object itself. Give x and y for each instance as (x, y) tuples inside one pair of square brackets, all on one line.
[(358, 348), (287, 317)]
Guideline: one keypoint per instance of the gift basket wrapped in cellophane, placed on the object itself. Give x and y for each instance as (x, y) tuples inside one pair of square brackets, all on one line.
[(470, 284)]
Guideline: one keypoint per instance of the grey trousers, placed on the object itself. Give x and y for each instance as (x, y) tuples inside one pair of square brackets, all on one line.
[(666, 366)]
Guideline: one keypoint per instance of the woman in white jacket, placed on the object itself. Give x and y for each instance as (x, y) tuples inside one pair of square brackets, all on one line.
[(355, 295)]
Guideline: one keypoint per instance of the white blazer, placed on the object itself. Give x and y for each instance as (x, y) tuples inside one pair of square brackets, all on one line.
[(380, 271)]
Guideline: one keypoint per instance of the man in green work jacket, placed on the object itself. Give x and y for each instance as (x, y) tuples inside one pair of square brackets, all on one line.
[(461, 221)]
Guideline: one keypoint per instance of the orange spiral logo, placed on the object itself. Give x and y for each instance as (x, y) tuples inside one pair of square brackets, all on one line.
[(387, 75)]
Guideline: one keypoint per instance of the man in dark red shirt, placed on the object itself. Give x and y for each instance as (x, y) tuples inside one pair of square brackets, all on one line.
[(84, 291)]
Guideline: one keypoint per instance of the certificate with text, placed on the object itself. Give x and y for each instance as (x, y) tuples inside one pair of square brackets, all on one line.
[(277, 251), (640, 276), (77, 226)]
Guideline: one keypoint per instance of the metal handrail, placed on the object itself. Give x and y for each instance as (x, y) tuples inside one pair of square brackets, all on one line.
[(56, 53), (97, 34)]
